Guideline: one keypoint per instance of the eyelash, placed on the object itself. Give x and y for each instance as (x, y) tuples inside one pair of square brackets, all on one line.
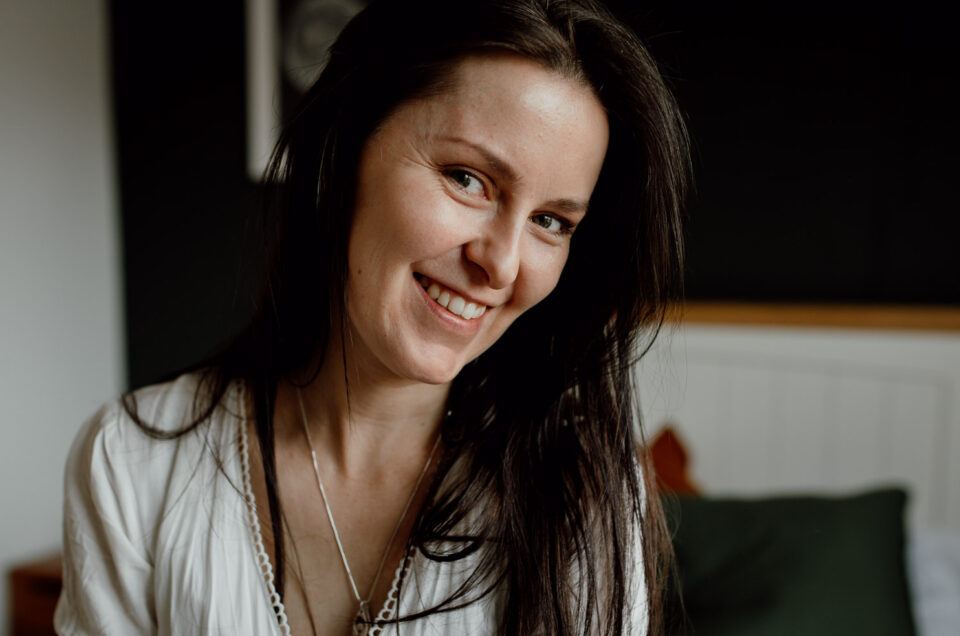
[(456, 174)]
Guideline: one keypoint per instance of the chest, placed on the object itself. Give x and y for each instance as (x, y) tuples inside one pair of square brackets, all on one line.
[(333, 563), (208, 576)]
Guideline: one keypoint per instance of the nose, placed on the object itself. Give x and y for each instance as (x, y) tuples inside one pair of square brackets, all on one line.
[(495, 251)]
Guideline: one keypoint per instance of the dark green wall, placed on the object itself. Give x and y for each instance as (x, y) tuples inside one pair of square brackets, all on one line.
[(826, 147)]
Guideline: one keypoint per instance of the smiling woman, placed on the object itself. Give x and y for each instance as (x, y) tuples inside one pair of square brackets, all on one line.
[(478, 232)]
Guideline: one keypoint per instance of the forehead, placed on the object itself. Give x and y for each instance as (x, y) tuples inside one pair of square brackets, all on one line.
[(506, 88), (534, 118), (499, 79)]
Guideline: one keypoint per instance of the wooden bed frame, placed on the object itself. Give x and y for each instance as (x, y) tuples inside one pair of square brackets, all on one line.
[(927, 317)]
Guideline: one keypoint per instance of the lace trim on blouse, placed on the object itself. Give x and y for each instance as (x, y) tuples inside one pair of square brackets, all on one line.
[(390, 605), (392, 602), (266, 567)]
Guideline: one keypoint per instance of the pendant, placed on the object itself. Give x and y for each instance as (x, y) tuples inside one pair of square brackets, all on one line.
[(362, 624)]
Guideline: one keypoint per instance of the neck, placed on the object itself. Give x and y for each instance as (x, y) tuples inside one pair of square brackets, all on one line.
[(360, 422)]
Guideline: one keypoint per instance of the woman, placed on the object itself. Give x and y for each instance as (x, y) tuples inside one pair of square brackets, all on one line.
[(478, 221)]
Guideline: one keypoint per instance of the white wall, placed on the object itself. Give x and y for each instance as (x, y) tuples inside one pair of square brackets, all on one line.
[(60, 309)]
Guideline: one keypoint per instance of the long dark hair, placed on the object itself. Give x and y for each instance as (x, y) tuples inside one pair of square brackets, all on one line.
[(543, 431)]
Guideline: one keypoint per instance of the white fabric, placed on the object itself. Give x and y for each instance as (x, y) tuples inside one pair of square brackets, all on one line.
[(933, 567), (157, 538)]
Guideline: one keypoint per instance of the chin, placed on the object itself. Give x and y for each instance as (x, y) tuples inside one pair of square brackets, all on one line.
[(434, 371), (438, 376)]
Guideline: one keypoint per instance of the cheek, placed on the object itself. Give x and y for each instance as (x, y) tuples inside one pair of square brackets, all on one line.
[(383, 236), (542, 277), (526, 295), (415, 224), (532, 287)]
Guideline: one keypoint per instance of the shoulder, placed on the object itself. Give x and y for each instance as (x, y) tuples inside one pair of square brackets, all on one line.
[(167, 407), (125, 492), (121, 470), (117, 433)]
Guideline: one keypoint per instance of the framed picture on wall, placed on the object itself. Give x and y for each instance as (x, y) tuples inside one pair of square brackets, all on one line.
[(286, 49)]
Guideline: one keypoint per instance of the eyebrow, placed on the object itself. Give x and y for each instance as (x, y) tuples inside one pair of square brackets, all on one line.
[(506, 171)]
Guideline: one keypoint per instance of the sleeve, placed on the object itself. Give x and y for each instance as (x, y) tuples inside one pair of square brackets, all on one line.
[(640, 610), (107, 568)]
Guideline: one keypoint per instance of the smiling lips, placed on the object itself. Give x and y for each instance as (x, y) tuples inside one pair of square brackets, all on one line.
[(450, 300)]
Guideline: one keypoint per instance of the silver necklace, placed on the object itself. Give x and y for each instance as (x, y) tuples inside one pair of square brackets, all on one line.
[(363, 620)]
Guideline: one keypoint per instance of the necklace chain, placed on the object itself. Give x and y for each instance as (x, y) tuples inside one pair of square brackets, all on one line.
[(363, 618)]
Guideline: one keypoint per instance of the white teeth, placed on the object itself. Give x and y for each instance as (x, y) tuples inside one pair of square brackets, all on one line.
[(456, 305)]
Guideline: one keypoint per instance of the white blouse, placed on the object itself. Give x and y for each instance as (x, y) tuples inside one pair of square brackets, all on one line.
[(161, 536)]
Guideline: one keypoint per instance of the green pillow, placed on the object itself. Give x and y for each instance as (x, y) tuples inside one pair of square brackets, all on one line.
[(804, 566)]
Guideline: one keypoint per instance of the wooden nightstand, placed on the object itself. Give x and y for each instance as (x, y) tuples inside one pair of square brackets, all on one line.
[(34, 589)]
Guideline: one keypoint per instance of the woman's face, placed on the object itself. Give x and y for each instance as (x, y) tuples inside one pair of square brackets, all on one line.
[(465, 206)]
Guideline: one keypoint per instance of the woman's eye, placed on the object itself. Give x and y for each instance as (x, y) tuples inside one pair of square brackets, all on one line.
[(467, 182), (552, 223)]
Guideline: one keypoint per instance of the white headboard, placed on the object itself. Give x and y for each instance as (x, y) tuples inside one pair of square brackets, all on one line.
[(766, 410)]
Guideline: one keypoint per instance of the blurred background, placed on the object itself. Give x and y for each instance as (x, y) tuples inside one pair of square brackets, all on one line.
[(62, 342), (822, 344)]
